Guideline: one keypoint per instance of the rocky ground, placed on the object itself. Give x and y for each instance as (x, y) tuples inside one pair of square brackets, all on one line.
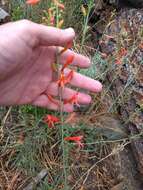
[(125, 30)]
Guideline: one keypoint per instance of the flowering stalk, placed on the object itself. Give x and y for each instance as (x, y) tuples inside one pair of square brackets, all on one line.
[(53, 19), (61, 82)]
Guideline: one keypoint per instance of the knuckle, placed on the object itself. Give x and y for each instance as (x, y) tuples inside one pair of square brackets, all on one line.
[(25, 22), (25, 28), (25, 25)]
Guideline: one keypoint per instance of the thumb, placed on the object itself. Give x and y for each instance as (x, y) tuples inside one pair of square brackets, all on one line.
[(51, 36)]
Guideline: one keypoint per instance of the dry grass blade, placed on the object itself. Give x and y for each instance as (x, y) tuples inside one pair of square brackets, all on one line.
[(13, 181)]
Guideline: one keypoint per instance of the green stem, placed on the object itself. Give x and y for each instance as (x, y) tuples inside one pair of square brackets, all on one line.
[(62, 123), (62, 131), (62, 138), (85, 28), (57, 16)]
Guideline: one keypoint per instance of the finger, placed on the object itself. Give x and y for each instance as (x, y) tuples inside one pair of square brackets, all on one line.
[(79, 60), (67, 93), (43, 101), (84, 82), (51, 36)]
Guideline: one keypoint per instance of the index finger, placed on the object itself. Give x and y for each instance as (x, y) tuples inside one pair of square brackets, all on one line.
[(51, 36)]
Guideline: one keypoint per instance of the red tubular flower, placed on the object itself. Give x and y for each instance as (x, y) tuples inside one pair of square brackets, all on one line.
[(108, 36), (52, 100), (104, 55), (141, 46), (118, 62), (122, 52), (68, 46), (73, 100), (60, 24), (32, 2), (51, 16), (51, 120), (60, 5), (65, 79), (76, 139), (68, 62), (52, 21), (69, 76)]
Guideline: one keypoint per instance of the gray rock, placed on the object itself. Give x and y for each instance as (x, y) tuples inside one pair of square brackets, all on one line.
[(129, 83), (4, 16), (127, 3)]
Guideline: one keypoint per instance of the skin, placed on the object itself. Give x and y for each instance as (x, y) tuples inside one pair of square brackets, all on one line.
[(27, 51)]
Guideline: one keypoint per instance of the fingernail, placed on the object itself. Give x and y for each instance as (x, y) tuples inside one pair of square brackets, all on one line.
[(70, 30), (98, 86), (86, 98), (88, 62)]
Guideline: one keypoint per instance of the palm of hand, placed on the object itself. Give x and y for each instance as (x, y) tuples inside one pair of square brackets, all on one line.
[(31, 77)]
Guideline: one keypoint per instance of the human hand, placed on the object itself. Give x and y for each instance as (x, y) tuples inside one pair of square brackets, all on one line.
[(27, 51)]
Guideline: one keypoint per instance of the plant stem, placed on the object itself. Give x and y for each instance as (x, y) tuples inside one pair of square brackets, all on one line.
[(85, 28), (61, 111), (62, 138), (62, 128)]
